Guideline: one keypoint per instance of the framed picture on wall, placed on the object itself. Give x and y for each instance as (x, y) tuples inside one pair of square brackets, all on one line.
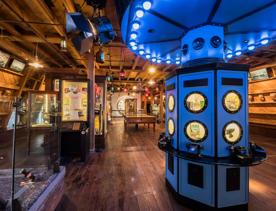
[(17, 65), (4, 58)]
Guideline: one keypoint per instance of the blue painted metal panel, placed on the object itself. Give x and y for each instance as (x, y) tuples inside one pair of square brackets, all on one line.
[(225, 117), (173, 114), (206, 117), (232, 198), (172, 177), (204, 195)]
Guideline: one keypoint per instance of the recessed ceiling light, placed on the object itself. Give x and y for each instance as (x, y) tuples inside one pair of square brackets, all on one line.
[(140, 13), (136, 25), (147, 5)]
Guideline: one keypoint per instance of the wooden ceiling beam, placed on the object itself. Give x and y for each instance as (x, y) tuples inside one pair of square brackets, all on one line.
[(26, 43), (11, 6), (30, 38)]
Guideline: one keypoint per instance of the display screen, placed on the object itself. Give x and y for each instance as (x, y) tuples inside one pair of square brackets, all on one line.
[(74, 101), (17, 65), (232, 132), (171, 103), (232, 101), (4, 58), (196, 131), (195, 102), (171, 127)]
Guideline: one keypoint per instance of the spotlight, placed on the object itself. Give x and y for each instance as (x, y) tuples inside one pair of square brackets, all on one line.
[(168, 61), (153, 59), (151, 82), (134, 47), (133, 35), (147, 5), (238, 53), (251, 47), (177, 59), (136, 25), (177, 62), (229, 55), (148, 56), (134, 87), (159, 61), (132, 42), (140, 13), (141, 52), (264, 41)]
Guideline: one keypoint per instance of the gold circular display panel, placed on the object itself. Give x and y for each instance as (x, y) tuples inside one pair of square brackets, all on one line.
[(232, 132), (232, 101), (195, 102), (171, 127), (171, 103), (196, 131)]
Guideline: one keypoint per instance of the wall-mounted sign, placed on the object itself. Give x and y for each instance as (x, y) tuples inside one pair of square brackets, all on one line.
[(259, 74), (171, 103), (4, 58), (232, 132), (195, 102), (232, 102), (196, 131), (74, 101), (17, 65), (171, 126)]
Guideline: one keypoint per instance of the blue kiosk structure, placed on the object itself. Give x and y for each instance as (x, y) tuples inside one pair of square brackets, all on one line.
[(206, 143)]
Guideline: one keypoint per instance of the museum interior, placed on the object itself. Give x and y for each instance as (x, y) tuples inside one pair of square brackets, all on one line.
[(137, 105)]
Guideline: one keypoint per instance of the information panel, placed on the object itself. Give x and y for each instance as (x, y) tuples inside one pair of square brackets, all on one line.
[(74, 101)]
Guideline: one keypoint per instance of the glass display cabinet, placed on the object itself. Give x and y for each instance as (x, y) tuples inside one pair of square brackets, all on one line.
[(100, 113), (43, 109), (74, 120)]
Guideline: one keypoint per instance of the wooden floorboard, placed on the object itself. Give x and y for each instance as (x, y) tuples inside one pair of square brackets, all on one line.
[(129, 175)]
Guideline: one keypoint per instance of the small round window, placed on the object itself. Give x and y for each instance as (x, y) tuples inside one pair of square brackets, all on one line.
[(198, 43), (195, 102), (232, 102), (171, 103), (196, 131), (171, 126), (232, 132)]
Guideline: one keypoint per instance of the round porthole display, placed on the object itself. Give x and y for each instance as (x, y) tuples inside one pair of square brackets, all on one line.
[(232, 132), (196, 131), (215, 41), (171, 103), (185, 49), (171, 127), (198, 43), (195, 102), (232, 102)]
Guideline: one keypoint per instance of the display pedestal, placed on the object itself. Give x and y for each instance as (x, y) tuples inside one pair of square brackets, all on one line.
[(207, 143)]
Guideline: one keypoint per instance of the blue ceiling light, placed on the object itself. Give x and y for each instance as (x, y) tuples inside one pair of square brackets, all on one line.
[(136, 25), (251, 47), (140, 13), (141, 52), (132, 42), (148, 56), (177, 62), (168, 61), (133, 35), (153, 59), (147, 4), (264, 41), (238, 52), (177, 59), (134, 47), (159, 61), (229, 55)]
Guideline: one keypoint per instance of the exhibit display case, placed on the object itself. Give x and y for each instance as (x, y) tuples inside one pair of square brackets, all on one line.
[(43, 108), (100, 113), (74, 120)]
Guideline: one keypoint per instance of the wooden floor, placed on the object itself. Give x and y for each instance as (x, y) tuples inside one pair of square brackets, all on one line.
[(129, 175)]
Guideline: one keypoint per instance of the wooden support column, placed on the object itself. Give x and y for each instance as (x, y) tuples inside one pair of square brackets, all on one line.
[(161, 108), (145, 104), (91, 78)]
